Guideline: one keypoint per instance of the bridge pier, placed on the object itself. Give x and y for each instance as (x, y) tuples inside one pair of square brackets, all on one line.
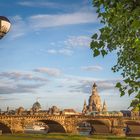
[(117, 127), (71, 126), (118, 131), (17, 126), (72, 129)]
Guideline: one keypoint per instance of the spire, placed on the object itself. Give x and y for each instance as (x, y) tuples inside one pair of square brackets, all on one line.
[(94, 89), (85, 102), (104, 107), (94, 85), (84, 107)]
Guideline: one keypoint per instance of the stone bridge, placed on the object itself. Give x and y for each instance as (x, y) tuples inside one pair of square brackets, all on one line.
[(66, 123)]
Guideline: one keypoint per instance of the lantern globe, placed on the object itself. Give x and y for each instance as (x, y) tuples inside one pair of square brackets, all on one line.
[(4, 26)]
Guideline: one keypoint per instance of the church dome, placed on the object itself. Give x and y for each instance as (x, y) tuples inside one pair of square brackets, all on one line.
[(21, 108), (36, 106)]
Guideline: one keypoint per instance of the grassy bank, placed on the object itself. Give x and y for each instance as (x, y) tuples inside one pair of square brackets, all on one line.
[(63, 137)]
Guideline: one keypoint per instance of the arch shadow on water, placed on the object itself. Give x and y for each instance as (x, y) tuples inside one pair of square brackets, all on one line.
[(49, 126), (134, 128), (98, 126), (54, 126), (4, 128)]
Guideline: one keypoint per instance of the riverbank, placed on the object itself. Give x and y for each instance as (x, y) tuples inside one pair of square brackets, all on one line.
[(63, 137)]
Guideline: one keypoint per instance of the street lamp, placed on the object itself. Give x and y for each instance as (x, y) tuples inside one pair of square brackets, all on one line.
[(4, 26)]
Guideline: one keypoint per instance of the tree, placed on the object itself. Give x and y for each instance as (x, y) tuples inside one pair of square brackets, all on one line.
[(135, 104), (120, 33)]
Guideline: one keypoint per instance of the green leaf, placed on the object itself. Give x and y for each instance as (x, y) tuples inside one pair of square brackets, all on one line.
[(120, 32), (122, 93), (94, 36), (103, 53), (94, 44), (127, 80), (118, 85), (96, 53), (130, 91), (138, 96)]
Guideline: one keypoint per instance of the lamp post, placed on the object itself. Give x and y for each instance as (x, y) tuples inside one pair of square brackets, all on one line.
[(4, 26)]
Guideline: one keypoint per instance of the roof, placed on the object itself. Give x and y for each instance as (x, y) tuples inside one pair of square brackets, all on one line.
[(69, 110), (37, 105)]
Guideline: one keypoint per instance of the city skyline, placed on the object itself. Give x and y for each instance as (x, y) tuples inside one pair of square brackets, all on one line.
[(46, 55)]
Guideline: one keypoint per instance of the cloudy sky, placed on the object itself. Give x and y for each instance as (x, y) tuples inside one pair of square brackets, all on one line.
[(46, 56)]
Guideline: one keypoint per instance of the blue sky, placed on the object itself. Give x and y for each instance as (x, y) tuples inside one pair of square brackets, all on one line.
[(46, 55)]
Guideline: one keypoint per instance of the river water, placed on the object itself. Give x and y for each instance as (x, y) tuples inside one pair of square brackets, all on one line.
[(135, 131)]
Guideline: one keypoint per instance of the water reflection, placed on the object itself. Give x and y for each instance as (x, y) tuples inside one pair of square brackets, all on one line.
[(36, 127), (84, 128)]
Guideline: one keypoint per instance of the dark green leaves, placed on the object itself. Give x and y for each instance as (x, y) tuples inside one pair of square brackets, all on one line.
[(130, 91), (103, 52), (94, 36), (118, 85), (96, 52), (94, 44), (121, 32)]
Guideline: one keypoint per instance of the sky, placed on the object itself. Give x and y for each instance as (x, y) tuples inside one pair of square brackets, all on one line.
[(46, 56)]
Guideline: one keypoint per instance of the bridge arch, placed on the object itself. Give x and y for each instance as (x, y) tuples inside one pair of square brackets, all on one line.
[(54, 126), (134, 127), (5, 127), (100, 126)]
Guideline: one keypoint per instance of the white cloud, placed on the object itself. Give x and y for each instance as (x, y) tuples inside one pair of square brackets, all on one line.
[(84, 84), (16, 75), (22, 26), (38, 4), (7, 98), (92, 68), (19, 27), (67, 46), (64, 51), (50, 71), (52, 51), (7, 86), (54, 20), (20, 82), (78, 41), (70, 43), (103, 84)]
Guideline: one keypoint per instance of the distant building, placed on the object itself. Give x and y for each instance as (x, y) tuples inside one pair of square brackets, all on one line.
[(104, 109), (54, 110), (94, 102), (69, 112), (126, 113), (36, 107), (19, 111)]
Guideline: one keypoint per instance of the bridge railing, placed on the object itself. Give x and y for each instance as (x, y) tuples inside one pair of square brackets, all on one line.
[(68, 116)]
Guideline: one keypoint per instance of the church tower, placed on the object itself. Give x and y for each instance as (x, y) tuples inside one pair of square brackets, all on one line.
[(104, 109), (84, 107), (94, 100)]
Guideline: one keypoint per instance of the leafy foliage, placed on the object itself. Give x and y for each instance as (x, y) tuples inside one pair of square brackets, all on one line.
[(136, 103), (121, 33)]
